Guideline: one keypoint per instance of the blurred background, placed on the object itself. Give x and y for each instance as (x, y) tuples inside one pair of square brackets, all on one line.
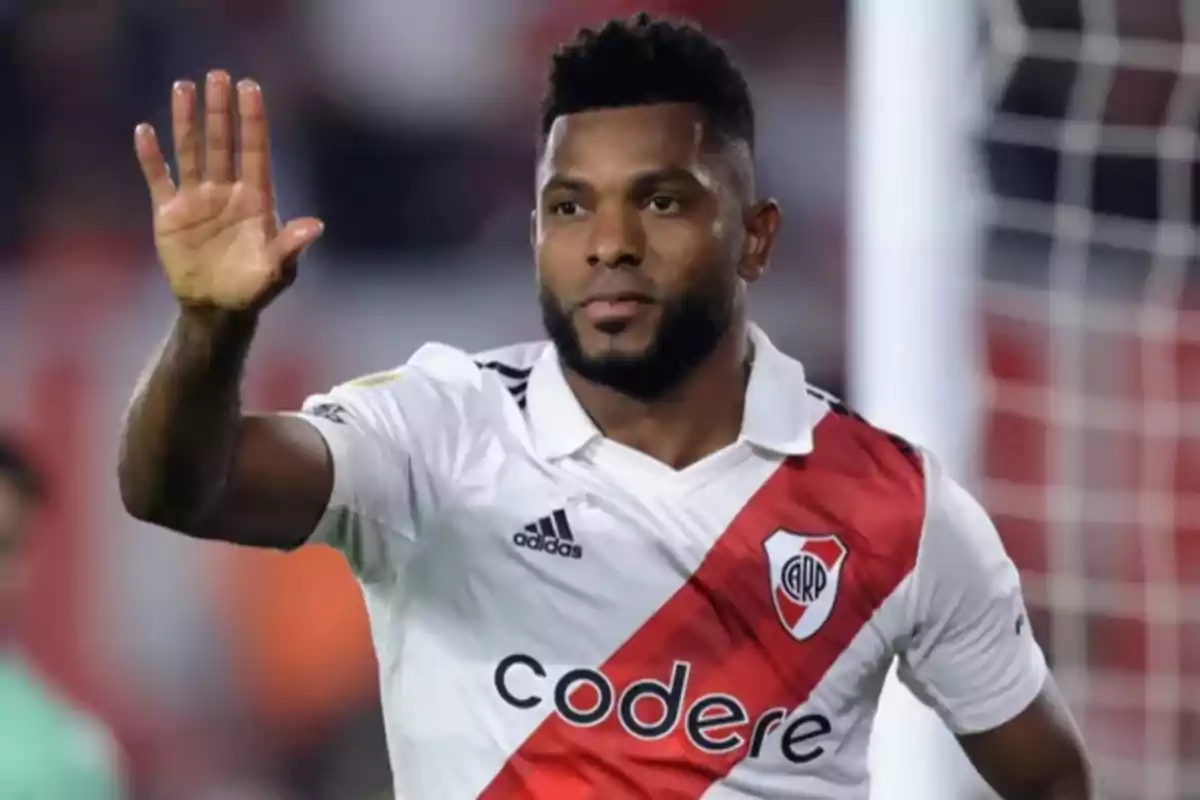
[(409, 127)]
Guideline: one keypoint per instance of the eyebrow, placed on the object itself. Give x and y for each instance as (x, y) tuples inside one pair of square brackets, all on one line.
[(641, 180), (562, 182)]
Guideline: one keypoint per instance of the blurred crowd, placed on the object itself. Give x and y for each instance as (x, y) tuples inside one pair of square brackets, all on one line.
[(409, 126)]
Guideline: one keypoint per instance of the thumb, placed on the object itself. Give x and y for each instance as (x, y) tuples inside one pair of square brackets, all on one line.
[(295, 237)]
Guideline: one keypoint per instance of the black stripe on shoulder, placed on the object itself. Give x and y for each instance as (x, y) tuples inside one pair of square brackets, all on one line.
[(516, 378), (842, 410), (835, 404), (504, 370)]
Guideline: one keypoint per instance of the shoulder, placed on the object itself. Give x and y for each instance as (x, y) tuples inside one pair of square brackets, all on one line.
[(958, 531), (877, 479), (845, 442), (511, 359), (437, 376), (511, 366), (852, 441)]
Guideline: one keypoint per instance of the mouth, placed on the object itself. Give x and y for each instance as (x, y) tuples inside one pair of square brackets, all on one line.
[(610, 308), (618, 297)]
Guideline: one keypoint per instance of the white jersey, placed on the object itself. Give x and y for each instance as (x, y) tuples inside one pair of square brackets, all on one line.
[(558, 616)]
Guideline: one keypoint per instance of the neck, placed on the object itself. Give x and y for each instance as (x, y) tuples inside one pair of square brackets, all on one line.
[(695, 419)]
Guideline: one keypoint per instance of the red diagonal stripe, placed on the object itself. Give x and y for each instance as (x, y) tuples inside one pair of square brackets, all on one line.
[(789, 608), (825, 549), (723, 623)]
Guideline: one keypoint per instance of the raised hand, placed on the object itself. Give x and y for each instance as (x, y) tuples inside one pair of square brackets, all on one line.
[(217, 233)]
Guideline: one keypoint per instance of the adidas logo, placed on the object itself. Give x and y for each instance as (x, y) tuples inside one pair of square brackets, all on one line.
[(551, 535)]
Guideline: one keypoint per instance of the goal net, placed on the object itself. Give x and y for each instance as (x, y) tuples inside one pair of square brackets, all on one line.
[(1092, 413)]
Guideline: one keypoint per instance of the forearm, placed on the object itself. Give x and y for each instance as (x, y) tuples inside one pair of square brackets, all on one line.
[(1071, 790), (1074, 787), (1066, 783), (1074, 784), (181, 430)]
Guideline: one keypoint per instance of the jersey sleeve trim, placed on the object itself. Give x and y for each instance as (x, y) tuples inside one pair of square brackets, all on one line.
[(1017, 694), (398, 441)]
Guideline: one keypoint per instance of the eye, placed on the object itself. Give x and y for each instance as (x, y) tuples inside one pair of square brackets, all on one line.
[(565, 208), (664, 204)]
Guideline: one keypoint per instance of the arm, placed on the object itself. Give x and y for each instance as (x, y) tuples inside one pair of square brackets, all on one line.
[(189, 459), (974, 659), (1036, 754)]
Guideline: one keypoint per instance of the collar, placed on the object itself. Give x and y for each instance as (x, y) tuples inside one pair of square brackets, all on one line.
[(777, 414)]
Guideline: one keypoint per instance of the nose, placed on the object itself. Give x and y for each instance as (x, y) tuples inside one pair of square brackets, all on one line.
[(617, 238)]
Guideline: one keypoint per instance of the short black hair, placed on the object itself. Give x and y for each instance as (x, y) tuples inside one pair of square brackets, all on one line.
[(17, 468), (642, 61)]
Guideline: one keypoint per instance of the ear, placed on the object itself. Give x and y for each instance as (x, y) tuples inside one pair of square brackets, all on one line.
[(762, 223)]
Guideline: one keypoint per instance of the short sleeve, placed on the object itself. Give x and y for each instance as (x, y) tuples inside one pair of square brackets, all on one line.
[(973, 657), (390, 436)]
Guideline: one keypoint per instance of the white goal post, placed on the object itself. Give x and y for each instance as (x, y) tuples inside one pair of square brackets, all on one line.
[(913, 270), (1026, 303)]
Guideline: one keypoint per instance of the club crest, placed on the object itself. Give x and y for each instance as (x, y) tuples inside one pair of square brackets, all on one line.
[(805, 569)]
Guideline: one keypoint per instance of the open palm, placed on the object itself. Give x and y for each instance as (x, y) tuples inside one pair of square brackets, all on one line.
[(216, 232)]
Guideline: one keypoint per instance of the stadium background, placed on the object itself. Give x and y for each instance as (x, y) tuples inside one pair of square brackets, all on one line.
[(408, 126)]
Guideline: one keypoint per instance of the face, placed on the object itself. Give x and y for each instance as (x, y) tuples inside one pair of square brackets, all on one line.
[(13, 512), (644, 242)]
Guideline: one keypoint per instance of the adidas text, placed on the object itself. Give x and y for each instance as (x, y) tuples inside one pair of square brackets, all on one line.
[(557, 547)]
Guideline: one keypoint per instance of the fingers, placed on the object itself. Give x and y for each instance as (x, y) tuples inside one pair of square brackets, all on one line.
[(220, 160), (154, 167), (185, 134), (218, 127), (295, 237), (256, 158)]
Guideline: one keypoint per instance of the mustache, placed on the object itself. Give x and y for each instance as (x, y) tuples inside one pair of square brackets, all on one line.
[(615, 286)]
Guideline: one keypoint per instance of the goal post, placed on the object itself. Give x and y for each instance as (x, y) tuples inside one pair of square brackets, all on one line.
[(913, 272), (1026, 303)]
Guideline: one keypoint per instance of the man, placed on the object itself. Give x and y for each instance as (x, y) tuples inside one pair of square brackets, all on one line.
[(643, 559), (48, 749)]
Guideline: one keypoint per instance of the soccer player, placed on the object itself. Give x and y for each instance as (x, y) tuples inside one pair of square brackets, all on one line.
[(642, 559), (49, 749)]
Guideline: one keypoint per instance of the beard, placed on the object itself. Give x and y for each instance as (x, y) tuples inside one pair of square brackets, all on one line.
[(690, 327)]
